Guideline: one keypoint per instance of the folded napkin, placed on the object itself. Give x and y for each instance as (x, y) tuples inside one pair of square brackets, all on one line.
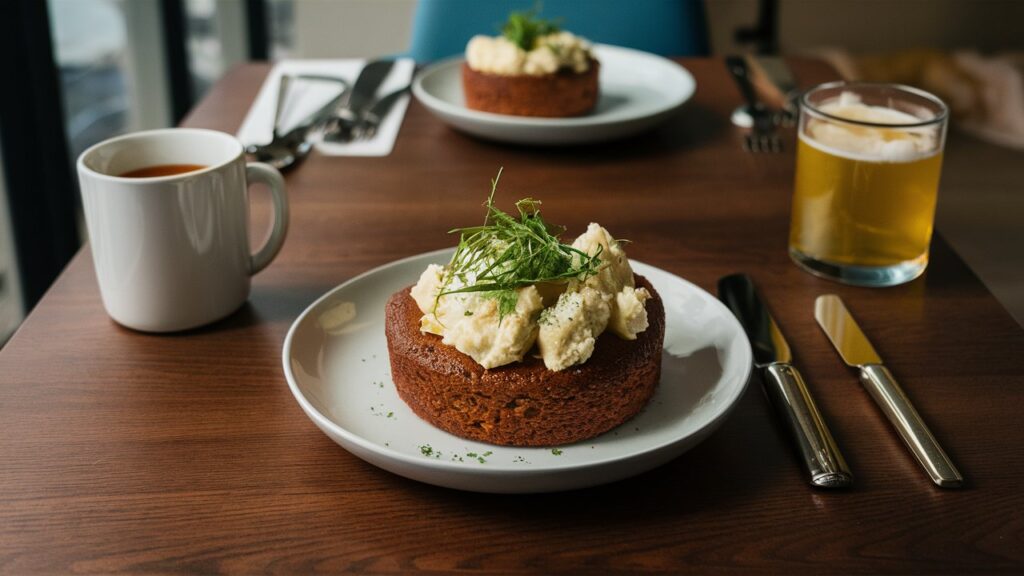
[(305, 97)]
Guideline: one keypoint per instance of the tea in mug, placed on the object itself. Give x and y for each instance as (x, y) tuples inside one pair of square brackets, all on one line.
[(161, 170)]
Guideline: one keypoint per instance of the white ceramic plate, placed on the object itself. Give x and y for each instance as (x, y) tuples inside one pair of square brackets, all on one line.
[(336, 362), (637, 91)]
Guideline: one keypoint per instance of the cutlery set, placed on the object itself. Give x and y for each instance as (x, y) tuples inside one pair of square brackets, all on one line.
[(788, 392), (349, 116), (354, 114)]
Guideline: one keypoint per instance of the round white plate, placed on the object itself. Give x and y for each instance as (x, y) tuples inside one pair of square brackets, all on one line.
[(637, 91), (336, 362)]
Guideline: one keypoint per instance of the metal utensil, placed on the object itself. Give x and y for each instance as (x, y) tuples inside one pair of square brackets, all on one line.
[(286, 150), (283, 85), (855, 349), (784, 386), (280, 149), (368, 124), (283, 152), (340, 126), (787, 94), (762, 137)]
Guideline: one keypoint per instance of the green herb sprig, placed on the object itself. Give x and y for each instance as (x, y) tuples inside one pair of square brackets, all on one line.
[(507, 253), (523, 28)]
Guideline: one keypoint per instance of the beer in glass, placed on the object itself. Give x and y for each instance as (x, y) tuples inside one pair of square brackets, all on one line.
[(867, 177)]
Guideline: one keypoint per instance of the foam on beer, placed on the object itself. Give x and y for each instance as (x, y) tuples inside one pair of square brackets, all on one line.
[(868, 143)]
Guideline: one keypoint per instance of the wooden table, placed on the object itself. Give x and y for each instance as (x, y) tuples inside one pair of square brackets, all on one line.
[(129, 452)]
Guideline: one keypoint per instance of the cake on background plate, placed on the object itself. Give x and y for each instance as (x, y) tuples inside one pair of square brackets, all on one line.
[(532, 69)]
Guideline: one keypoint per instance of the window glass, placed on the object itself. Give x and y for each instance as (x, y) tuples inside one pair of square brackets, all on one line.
[(89, 41), (10, 294), (281, 21), (205, 49)]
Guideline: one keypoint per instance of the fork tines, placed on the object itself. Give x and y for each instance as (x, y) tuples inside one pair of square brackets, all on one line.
[(762, 142)]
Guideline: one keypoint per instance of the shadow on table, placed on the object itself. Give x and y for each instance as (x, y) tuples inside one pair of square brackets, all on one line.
[(266, 305), (734, 465), (945, 269), (692, 127)]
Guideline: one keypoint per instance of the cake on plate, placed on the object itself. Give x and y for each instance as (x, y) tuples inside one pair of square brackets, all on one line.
[(531, 69), (522, 340)]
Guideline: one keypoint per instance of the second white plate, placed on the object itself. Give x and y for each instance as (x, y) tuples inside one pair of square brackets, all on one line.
[(638, 90), (336, 362)]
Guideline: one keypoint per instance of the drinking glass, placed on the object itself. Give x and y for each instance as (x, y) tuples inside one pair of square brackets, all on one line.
[(867, 178)]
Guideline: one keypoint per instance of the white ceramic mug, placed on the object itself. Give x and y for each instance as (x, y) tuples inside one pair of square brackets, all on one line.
[(172, 252)]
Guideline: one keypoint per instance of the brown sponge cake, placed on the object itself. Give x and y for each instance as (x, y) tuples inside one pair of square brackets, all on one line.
[(561, 94), (524, 403)]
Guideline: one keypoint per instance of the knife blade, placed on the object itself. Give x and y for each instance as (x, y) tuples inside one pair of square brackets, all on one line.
[(780, 86), (367, 83), (856, 350), (784, 385), (340, 127)]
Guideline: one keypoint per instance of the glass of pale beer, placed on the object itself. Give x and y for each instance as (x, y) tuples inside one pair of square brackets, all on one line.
[(867, 178)]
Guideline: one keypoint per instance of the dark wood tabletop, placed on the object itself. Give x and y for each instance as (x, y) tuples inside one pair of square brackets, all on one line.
[(186, 453)]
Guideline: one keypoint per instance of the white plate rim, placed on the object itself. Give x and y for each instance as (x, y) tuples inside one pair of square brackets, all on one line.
[(324, 423)]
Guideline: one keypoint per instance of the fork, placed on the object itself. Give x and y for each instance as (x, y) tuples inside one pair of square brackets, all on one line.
[(367, 126), (762, 136)]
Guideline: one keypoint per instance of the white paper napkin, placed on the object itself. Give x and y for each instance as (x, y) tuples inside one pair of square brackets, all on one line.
[(305, 97)]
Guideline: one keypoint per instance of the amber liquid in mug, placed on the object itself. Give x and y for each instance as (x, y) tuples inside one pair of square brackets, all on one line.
[(162, 170)]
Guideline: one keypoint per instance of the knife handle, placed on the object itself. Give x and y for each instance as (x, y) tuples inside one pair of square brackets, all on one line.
[(912, 429), (788, 393), (737, 66)]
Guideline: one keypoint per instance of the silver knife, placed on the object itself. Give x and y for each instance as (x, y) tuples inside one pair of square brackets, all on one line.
[(346, 116), (777, 72), (783, 384), (855, 349), (367, 83)]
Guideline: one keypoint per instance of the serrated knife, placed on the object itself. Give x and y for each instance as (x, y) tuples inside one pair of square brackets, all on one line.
[(783, 384), (855, 349)]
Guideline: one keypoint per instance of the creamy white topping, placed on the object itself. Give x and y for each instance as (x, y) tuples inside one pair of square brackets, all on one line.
[(498, 55), (628, 315), (569, 329), (471, 322), (565, 333), (492, 340)]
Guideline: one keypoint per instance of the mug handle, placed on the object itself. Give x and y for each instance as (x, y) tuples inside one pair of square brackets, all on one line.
[(259, 172)]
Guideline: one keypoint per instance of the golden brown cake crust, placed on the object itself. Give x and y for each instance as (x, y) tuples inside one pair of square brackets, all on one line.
[(559, 95), (524, 403)]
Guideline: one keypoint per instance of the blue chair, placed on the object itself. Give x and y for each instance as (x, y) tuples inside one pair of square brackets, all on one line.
[(667, 27)]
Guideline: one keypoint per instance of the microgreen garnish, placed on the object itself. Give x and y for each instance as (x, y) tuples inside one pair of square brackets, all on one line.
[(523, 28), (507, 253)]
